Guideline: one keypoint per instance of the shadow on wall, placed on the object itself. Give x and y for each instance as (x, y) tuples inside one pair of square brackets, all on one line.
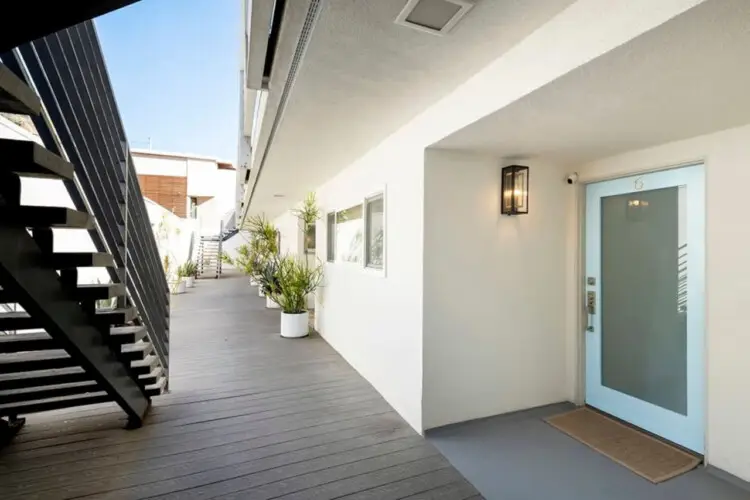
[(173, 236)]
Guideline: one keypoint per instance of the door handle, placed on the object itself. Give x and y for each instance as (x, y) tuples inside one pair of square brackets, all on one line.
[(590, 309)]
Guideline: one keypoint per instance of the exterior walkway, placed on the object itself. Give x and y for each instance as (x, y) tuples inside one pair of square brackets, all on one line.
[(250, 415)]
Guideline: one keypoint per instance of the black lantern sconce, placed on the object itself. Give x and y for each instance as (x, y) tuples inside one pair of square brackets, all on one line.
[(515, 190)]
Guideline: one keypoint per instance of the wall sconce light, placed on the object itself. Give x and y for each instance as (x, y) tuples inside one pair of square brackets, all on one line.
[(515, 189)]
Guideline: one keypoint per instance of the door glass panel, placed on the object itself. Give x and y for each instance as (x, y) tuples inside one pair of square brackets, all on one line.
[(644, 276)]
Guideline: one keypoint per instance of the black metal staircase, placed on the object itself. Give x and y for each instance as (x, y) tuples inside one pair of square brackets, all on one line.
[(63, 343)]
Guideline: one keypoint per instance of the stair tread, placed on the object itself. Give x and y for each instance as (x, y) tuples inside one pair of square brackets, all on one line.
[(56, 372), (56, 402), (27, 361), (45, 217), (161, 382), (28, 158), (127, 313), (127, 330), (29, 393), (14, 314), (100, 291), (155, 373), (81, 292), (31, 341), (20, 357), (16, 96), (31, 390), (156, 388), (147, 361), (24, 337), (138, 346), (69, 260)]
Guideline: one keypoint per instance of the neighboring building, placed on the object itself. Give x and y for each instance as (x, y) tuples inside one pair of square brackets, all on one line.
[(625, 285), (189, 186)]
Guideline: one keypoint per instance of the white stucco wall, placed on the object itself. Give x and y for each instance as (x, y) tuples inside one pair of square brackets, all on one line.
[(173, 235), (375, 321), (727, 159), (202, 177), (291, 234), (494, 313), (152, 165)]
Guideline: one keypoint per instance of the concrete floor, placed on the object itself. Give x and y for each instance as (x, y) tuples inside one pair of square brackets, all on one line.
[(518, 457)]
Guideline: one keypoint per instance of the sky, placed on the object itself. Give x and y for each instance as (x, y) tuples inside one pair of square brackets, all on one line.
[(174, 66)]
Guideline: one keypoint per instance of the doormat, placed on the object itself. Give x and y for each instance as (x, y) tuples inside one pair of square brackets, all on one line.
[(645, 455)]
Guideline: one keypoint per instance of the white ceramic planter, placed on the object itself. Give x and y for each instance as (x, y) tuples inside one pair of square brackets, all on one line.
[(190, 282), (270, 304), (294, 326), (260, 292), (177, 287)]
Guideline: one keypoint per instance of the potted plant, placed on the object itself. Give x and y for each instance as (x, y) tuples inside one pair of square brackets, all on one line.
[(175, 283), (263, 248), (308, 214), (179, 285), (190, 271), (268, 281), (295, 281)]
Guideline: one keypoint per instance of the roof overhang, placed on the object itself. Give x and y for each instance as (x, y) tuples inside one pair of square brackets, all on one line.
[(32, 19)]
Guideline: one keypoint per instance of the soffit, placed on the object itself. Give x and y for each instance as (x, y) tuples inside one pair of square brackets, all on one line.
[(364, 76), (686, 78)]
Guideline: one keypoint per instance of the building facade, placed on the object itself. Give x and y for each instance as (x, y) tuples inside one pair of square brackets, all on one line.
[(189, 186), (622, 287)]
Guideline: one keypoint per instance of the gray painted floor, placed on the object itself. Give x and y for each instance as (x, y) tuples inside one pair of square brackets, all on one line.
[(520, 457), (250, 416)]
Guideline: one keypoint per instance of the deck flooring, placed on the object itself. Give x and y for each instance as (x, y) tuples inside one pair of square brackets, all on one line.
[(249, 416)]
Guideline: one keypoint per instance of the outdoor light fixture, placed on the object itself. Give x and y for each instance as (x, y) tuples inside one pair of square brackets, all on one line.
[(515, 189)]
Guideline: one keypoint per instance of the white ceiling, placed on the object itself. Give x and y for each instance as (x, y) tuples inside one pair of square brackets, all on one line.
[(688, 77), (364, 76)]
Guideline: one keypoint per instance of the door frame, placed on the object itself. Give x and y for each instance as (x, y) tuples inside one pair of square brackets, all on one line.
[(578, 285)]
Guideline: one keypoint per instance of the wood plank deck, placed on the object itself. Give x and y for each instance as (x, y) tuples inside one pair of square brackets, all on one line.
[(250, 415)]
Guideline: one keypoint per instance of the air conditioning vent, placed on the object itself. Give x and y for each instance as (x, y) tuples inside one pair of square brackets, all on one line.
[(434, 16)]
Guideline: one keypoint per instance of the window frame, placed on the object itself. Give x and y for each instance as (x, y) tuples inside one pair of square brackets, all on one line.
[(193, 210), (331, 237), (338, 259), (306, 249), (366, 214), (332, 240)]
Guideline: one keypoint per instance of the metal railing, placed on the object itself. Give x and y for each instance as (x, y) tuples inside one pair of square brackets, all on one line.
[(81, 122)]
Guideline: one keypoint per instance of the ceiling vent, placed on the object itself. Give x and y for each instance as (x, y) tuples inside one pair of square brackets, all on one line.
[(434, 16)]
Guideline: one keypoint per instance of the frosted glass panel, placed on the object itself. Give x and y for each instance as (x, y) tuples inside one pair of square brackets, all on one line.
[(644, 297)]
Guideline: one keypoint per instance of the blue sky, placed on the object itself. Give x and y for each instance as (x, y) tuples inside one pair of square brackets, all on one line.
[(174, 65)]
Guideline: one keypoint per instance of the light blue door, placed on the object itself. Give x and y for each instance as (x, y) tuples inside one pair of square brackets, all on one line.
[(645, 298)]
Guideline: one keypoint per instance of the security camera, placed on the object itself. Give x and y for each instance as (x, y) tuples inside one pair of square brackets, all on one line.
[(572, 178)]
